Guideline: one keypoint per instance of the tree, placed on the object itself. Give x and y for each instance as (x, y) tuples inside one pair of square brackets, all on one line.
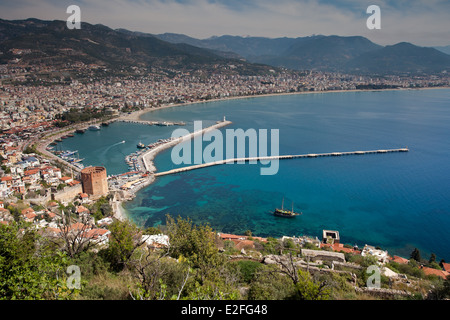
[(441, 291), (196, 243), (74, 236), (29, 267), (101, 208), (124, 240), (158, 277), (308, 289), (305, 287), (269, 284), (211, 279), (432, 258), (415, 255)]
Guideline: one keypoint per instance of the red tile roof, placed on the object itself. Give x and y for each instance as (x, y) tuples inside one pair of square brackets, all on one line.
[(31, 172), (340, 247), (95, 233), (31, 215), (399, 259), (27, 211), (81, 209), (227, 236), (446, 266), (439, 273)]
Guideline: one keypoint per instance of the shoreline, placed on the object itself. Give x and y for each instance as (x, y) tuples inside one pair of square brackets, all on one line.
[(136, 116)]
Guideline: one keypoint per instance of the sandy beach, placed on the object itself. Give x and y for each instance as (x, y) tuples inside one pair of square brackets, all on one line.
[(136, 115)]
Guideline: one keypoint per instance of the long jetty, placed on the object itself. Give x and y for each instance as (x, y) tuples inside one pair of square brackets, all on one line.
[(147, 157), (151, 123), (310, 155)]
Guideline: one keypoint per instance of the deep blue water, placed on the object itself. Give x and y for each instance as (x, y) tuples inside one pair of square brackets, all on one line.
[(397, 201)]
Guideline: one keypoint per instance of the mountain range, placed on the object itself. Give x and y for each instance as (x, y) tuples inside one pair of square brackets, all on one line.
[(354, 54), (53, 43)]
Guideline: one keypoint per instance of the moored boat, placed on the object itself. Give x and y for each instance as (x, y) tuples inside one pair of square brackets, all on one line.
[(286, 213), (94, 128), (140, 145)]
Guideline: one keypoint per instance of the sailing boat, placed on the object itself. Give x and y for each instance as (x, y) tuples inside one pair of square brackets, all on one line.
[(286, 213)]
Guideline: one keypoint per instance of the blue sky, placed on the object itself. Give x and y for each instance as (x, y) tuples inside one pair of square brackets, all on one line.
[(422, 22)]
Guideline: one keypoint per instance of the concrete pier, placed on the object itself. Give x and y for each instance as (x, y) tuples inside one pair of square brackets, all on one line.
[(147, 157), (152, 123), (311, 155)]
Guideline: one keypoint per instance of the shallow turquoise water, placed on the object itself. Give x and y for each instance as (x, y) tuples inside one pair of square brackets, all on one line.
[(397, 201)]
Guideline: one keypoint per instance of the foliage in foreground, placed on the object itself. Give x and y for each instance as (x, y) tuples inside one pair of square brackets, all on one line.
[(192, 267)]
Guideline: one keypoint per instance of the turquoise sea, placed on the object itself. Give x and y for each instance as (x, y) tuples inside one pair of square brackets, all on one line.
[(397, 201)]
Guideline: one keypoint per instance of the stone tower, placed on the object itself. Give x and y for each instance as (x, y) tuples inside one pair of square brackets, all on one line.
[(94, 181)]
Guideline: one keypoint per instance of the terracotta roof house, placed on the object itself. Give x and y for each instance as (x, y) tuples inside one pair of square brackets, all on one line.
[(53, 204), (338, 247), (27, 211), (66, 179), (73, 183), (99, 236), (84, 196), (29, 217), (399, 260), (82, 209), (51, 214), (78, 226), (439, 273), (446, 266)]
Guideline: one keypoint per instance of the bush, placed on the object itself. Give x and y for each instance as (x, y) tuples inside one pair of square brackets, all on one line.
[(248, 269), (268, 284), (410, 269)]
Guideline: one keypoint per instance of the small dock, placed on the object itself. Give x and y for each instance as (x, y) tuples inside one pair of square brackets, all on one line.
[(310, 155), (153, 123)]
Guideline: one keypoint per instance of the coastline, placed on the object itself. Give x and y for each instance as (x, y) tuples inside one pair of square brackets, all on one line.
[(136, 116)]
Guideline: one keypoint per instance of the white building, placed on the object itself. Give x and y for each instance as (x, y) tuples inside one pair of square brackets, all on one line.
[(156, 240), (382, 256)]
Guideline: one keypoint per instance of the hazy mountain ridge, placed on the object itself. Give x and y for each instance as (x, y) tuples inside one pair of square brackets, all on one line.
[(328, 53), (50, 42), (444, 49)]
